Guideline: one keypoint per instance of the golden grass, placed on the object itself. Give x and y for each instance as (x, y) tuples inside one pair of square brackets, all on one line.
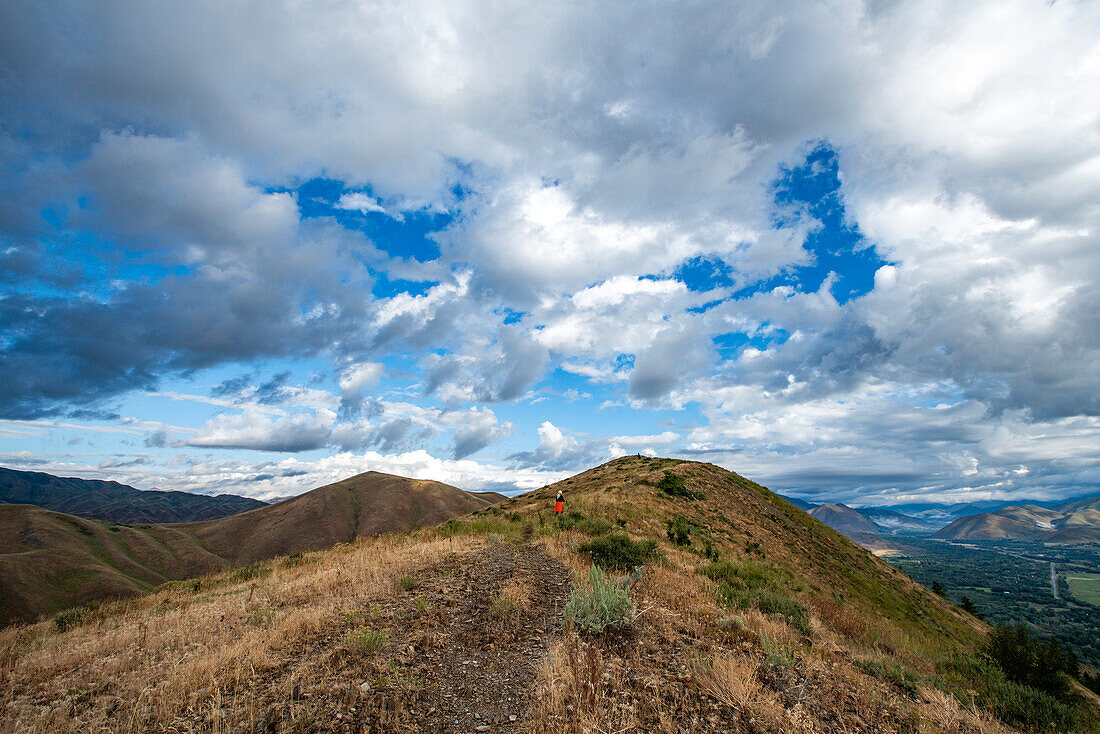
[(161, 660)]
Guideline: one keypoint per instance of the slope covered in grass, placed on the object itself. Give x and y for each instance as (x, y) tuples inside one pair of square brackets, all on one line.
[(744, 614), (50, 561), (115, 502)]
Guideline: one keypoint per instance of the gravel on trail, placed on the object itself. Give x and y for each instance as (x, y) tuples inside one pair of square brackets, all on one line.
[(469, 660)]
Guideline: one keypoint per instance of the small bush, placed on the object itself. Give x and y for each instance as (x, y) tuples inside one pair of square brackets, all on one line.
[(674, 485), (753, 585), (294, 559), (68, 619), (780, 606), (408, 583), (678, 529), (618, 551), (262, 617), (251, 571), (600, 604), (744, 576), (574, 520), (366, 641)]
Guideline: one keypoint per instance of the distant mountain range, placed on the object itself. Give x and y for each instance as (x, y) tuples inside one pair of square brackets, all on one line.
[(1075, 521), (115, 502), (50, 561), (1071, 522)]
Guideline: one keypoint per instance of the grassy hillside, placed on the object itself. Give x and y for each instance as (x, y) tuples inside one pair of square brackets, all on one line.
[(744, 615), (115, 502), (50, 561)]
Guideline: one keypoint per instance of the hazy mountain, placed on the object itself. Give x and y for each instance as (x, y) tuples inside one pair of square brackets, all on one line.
[(845, 520), (891, 520), (799, 503), (113, 501)]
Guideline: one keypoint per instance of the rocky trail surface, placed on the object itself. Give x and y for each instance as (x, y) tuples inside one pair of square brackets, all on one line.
[(497, 617), (463, 642)]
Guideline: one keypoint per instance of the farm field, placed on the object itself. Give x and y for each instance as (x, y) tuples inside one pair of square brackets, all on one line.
[(1085, 587)]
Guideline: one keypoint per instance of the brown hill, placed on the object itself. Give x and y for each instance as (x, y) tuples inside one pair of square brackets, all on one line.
[(845, 520), (50, 561), (744, 615), (363, 505), (1075, 522)]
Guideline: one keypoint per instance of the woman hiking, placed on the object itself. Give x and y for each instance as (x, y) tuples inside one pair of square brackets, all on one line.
[(559, 504)]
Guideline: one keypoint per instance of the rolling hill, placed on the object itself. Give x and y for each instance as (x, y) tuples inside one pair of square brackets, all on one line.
[(844, 519), (115, 502), (50, 561), (1072, 522), (744, 614)]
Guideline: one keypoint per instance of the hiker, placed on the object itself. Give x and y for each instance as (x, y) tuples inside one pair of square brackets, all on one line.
[(559, 504)]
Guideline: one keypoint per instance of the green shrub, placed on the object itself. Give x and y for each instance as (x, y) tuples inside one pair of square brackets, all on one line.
[(679, 529), (753, 585), (600, 604), (294, 559), (574, 520), (674, 485), (251, 571), (618, 551), (1016, 704), (744, 576), (68, 619), (794, 612), (1027, 707), (1044, 665), (408, 583), (365, 640)]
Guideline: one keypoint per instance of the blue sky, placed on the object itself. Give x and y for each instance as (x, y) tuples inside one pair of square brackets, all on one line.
[(847, 251)]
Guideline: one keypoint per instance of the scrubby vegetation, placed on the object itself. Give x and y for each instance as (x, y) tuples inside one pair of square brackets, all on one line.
[(1044, 665), (675, 485), (618, 551), (679, 529), (751, 585), (601, 604)]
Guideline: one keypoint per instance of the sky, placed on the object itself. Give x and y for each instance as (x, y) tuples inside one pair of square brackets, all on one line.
[(849, 250)]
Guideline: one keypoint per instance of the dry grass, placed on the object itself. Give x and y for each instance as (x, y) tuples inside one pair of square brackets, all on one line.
[(732, 680), (940, 712), (160, 661), (509, 604), (579, 691)]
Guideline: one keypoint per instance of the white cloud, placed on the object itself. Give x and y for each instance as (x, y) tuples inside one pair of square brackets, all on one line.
[(582, 157), (259, 432), (360, 202)]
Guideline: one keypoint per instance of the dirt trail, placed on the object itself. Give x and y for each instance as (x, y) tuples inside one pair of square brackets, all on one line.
[(463, 663)]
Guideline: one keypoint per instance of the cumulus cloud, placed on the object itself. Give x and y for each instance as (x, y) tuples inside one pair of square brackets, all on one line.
[(356, 379), (150, 228), (261, 432)]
